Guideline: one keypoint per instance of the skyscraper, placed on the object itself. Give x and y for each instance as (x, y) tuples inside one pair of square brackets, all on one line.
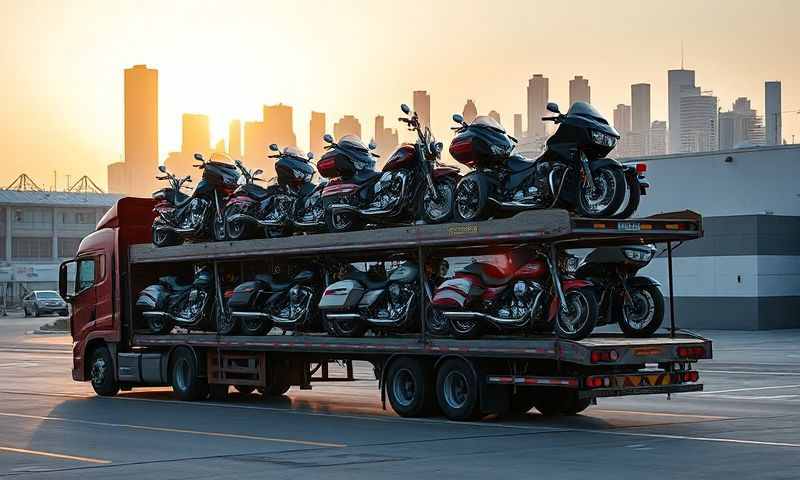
[(772, 112), (579, 90), (255, 144), (740, 126), (699, 121), (538, 95), (676, 81), (385, 139), (235, 139), (640, 107), (135, 175), (496, 116), (518, 133), (278, 125), (316, 130), (657, 138), (622, 118), (470, 111), (347, 125), (422, 105), (196, 133)]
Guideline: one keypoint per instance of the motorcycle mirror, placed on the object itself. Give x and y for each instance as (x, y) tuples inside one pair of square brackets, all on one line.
[(162, 168), (198, 157), (328, 138), (438, 147), (372, 145), (405, 108), (310, 155), (458, 118), (258, 172), (274, 147), (552, 107)]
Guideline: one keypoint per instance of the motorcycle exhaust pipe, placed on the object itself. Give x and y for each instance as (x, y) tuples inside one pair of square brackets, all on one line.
[(516, 205), (178, 230), (343, 316), (358, 211), (484, 316), (243, 217), (250, 314)]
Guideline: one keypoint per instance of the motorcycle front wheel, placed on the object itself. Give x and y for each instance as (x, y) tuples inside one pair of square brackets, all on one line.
[(158, 324), (347, 328), (471, 199), (339, 222), (226, 324), (466, 327), (255, 326), (163, 237), (641, 314), (237, 230), (436, 324), (441, 210), (607, 195), (580, 317)]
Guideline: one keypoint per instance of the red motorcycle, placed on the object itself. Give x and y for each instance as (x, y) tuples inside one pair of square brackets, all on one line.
[(528, 295)]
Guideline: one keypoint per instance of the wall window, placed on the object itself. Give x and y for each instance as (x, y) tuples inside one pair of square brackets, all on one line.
[(33, 215), (31, 247), (67, 247)]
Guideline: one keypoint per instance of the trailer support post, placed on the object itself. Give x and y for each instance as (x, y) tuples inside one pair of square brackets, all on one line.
[(671, 291), (423, 300)]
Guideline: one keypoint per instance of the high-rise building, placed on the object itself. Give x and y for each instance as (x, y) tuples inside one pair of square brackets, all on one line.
[(196, 133), (422, 105), (235, 139), (518, 132), (699, 121), (347, 125), (538, 95), (136, 174), (676, 81), (470, 111), (255, 145), (772, 112), (495, 116), (385, 139), (622, 118), (640, 107), (657, 138), (278, 125), (316, 130), (741, 126), (579, 90)]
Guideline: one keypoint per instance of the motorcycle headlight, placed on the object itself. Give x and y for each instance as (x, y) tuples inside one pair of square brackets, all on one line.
[(603, 139), (637, 255)]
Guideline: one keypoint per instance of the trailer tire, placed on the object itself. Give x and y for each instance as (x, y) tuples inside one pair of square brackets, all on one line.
[(522, 401), (457, 390), (184, 376), (559, 401), (102, 376), (409, 386)]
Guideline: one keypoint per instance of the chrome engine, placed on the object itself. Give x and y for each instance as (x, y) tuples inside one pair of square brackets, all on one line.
[(395, 306), (279, 209), (296, 309), (196, 215), (523, 304), (535, 193), (310, 211), (193, 306), (389, 190)]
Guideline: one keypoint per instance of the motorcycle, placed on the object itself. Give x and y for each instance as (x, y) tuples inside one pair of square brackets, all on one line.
[(531, 295), (169, 302), (182, 217), (265, 302), (634, 302), (572, 173), (292, 203), (410, 184), (359, 302)]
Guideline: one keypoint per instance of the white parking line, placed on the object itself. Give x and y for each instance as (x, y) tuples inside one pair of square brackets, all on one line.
[(745, 372), (749, 389)]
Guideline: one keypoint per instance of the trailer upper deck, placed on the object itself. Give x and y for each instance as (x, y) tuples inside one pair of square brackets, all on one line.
[(536, 226)]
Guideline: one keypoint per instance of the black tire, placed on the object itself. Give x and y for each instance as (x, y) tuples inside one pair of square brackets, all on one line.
[(554, 401), (159, 325), (101, 372), (409, 387), (347, 328), (581, 319), (470, 203), (436, 324), (610, 185), (184, 376), (632, 325), (36, 311), (442, 211), (634, 197), (219, 229), (245, 389), (218, 391), (254, 326), (522, 400), (457, 390), (226, 324), (466, 328), (165, 238), (342, 222), (277, 384), (237, 230)]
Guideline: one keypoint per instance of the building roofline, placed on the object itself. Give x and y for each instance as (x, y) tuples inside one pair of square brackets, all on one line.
[(764, 148)]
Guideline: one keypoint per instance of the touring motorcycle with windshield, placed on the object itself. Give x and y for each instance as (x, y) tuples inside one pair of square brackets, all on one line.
[(171, 302), (292, 203), (633, 301), (411, 185), (573, 172), (527, 294), (194, 217)]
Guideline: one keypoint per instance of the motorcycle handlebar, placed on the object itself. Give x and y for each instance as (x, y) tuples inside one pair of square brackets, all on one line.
[(545, 119)]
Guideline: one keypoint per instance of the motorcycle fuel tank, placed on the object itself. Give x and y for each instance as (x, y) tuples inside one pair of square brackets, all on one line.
[(403, 157)]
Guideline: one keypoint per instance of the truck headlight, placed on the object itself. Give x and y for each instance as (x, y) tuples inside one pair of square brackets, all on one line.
[(603, 139)]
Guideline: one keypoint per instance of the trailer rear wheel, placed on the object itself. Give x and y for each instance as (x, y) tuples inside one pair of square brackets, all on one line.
[(457, 390), (559, 401), (409, 387), (522, 401), (104, 382), (186, 382)]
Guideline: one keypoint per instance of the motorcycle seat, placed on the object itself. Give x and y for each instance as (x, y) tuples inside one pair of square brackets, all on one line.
[(490, 275), (364, 279), (518, 163), (366, 176), (173, 284), (273, 284)]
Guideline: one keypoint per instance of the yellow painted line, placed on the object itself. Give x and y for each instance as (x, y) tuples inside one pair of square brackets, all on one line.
[(175, 430), (54, 455), (657, 414)]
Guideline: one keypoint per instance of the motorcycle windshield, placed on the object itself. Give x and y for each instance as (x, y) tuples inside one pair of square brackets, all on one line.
[(587, 113), (488, 122), (296, 153), (352, 141)]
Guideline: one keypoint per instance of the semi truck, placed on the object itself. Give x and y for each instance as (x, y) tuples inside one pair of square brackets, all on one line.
[(418, 374)]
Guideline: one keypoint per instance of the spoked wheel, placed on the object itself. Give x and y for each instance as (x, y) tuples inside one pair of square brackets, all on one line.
[(337, 222), (471, 198), (226, 324), (439, 210), (642, 313), (237, 229), (580, 317), (255, 325), (436, 323), (218, 230), (159, 324), (466, 327), (345, 327), (633, 197), (607, 195)]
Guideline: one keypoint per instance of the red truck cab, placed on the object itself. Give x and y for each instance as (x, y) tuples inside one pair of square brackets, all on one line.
[(92, 282)]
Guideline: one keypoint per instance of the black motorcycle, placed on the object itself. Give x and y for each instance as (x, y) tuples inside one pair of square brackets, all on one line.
[(182, 217), (170, 302), (410, 186), (634, 302), (292, 203), (266, 301), (361, 301), (572, 173)]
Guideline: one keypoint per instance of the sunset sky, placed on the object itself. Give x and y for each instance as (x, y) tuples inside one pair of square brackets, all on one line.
[(62, 63)]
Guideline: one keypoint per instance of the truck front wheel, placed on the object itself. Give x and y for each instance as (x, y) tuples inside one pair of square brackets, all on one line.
[(102, 373), (186, 382)]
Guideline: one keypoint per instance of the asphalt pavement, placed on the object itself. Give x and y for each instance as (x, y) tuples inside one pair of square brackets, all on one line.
[(746, 424)]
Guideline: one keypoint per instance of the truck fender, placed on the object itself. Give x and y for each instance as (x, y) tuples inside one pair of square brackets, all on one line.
[(641, 281)]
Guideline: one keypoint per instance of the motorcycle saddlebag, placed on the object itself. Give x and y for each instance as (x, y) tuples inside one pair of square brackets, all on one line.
[(342, 295), (152, 298), (244, 296), (452, 293)]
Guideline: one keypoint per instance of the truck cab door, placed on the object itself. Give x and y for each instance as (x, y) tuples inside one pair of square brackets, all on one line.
[(77, 281)]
